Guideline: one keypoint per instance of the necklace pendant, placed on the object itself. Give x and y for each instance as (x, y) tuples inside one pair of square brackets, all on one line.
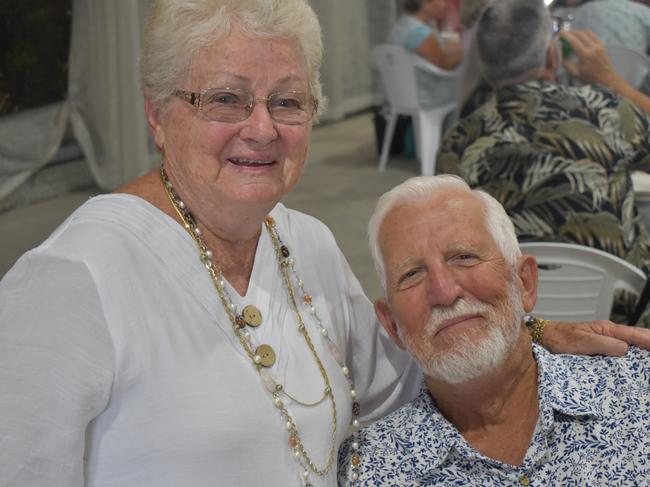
[(264, 356), (252, 316), (285, 251)]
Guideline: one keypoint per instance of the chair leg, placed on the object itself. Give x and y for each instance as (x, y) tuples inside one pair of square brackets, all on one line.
[(415, 120), (429, 140), (388, 138)]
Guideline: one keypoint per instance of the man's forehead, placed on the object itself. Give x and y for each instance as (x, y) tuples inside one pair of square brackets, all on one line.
[(453, 218), (450, 203)]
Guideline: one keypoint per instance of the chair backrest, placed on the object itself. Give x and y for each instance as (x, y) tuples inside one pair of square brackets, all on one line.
[(577, 283), (631, 65), (398, 76), (398, 67)]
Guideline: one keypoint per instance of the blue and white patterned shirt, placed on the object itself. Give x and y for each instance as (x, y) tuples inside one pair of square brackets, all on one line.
[(593, 430)]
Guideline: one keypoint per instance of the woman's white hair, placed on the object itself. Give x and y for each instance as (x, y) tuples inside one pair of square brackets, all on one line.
[(425, 187), (177, 30)]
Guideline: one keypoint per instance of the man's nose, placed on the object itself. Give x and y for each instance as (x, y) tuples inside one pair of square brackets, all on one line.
[(443, 286)]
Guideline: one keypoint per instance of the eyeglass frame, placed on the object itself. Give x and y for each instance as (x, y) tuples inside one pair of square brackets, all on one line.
[(194, 98)]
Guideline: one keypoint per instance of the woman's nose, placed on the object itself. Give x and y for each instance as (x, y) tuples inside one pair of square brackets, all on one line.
[(260, 126)]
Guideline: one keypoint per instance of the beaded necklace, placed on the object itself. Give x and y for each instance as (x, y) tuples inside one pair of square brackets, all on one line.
[(263, 356)]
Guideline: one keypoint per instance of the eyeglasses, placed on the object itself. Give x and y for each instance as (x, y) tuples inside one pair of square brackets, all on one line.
[(232, 105)]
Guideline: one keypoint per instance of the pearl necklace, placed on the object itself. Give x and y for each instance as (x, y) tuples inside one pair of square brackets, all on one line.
[(263, 355)]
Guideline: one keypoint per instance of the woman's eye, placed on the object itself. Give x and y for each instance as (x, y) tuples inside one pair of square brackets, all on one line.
[(223, 98), (287, 102)]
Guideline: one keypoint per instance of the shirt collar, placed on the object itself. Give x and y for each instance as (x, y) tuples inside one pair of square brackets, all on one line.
[(432, 438)]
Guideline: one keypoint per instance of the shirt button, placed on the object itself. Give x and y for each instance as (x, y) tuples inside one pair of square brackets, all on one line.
[(524, 480)]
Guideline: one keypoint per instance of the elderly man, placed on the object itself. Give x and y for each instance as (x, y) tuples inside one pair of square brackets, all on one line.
[(494, 411), (558, 158)]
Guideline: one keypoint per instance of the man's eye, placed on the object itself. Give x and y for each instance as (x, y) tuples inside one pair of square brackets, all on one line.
[(467, 259), (408, 274)]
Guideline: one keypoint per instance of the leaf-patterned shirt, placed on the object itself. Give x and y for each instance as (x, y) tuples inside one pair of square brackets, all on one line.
[(559, 159), (592, 430)]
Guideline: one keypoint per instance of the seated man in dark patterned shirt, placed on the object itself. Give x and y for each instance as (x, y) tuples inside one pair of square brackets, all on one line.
[(495, 410), (558, 158)]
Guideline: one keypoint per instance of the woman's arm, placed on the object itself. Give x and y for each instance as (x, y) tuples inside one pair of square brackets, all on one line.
[(594, 66), (445, 56), (600, 337), (56, 371)]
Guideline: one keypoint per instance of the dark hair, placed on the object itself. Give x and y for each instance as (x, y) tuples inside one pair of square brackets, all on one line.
[(411, 6)]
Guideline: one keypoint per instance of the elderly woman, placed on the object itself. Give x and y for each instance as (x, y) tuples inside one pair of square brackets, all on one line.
[(189, 330)]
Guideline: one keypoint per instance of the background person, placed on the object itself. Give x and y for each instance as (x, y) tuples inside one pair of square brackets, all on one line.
[(494, 411), (416, 30)]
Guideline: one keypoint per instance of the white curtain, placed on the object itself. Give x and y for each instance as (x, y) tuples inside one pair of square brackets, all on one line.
[(107, 108), (28, 140), (104, 105)]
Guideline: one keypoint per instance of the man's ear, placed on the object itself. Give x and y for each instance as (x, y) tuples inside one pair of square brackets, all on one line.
[(385, 317), (549, 71), (553, 57), (527, 272), (153, 119)]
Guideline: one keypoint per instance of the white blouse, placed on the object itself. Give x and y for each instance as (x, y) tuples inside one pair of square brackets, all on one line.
[(119, 366)]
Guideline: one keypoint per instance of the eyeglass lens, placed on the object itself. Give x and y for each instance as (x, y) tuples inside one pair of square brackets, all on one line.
[(234, 105)]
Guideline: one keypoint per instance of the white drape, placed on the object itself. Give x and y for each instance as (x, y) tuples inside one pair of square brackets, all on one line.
[(107, 112), (104, 104)]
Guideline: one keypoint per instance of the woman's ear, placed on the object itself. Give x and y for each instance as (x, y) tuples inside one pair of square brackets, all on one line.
[(385, 317), (527, 273), (155, 125)]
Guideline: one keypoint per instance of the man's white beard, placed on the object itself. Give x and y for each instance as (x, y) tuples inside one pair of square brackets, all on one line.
[(468, 357)]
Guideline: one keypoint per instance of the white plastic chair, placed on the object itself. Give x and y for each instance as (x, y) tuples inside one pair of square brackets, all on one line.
[(577, 283), (397, 67), (631, 65)]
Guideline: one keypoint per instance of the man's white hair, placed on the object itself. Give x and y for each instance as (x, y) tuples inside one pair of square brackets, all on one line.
[(513, 37), (425, 187)]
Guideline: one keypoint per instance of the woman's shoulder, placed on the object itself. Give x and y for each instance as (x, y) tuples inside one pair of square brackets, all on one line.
[(305, 235), (410, 32), (104, 225), (299, 223)]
